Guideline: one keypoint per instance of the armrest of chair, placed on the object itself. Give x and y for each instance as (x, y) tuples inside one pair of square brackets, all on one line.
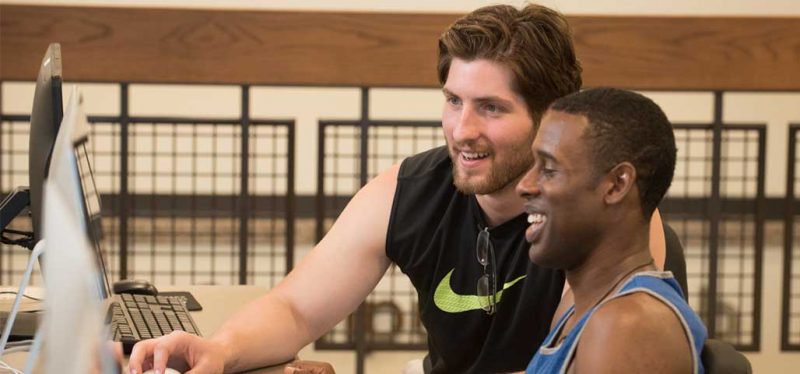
[(721, 357)]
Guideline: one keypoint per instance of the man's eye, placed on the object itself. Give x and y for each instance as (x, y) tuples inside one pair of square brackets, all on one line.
[(491, 108), (452, 100)]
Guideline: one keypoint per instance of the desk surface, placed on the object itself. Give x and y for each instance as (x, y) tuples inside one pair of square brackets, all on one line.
[(219, 302)]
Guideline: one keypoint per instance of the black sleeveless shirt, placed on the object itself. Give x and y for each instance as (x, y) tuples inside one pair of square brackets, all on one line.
[(431, 237)]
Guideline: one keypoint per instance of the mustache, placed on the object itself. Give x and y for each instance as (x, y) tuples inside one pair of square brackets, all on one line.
[(531, 207), (472, 146)]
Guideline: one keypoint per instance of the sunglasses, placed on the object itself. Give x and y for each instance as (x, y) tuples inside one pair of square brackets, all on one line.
[(487, 284)]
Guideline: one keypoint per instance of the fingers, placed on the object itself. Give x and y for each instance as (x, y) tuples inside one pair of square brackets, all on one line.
[(161, 353), (142, 351), (154, 353)]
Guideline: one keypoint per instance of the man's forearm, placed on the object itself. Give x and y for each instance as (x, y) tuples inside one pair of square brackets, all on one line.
[(266, 332)]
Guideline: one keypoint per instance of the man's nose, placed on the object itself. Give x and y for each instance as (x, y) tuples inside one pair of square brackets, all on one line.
[(468, 126), (528, 186)]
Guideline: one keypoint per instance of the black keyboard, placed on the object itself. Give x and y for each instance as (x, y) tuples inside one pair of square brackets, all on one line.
[(138, 317)]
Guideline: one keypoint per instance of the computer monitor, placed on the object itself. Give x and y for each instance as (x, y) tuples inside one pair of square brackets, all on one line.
[(46, 116), (76, 127), (45, 120), (73, 327)]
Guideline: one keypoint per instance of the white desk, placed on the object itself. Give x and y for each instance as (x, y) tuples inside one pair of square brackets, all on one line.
[(219, 302)]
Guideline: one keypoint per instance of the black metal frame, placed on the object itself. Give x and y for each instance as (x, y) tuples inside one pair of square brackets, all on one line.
[(790, 210), (124, 201), (676, 209)]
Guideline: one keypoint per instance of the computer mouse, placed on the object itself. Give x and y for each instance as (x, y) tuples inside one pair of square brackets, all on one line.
[(167, 371), (135, 286)]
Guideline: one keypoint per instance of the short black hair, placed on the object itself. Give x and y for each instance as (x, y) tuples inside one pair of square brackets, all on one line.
[(627, 126)]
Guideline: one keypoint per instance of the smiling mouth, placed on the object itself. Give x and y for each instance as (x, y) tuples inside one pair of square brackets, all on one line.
[(537, 221), (472, 156), (537, 218)]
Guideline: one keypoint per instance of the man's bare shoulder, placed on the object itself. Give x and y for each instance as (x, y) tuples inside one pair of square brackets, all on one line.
[(634, 333), (377, 195), (387, 179)]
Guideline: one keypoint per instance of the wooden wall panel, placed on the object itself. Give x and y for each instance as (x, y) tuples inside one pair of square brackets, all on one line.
[(380, 49), (689, 53)]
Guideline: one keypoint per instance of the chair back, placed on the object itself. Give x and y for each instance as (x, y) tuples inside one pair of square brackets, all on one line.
[(721, 357), (675, 261)]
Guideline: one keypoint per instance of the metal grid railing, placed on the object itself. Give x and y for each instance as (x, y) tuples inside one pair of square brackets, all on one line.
[(790, 311), (182, 202), (183, 181), (741, 247), (732, 277), (271, 218)]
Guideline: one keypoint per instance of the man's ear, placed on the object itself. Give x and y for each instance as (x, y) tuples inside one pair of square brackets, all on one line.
[(622, 180)]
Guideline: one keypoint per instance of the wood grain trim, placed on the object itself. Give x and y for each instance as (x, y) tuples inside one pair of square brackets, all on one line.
[(380, 49), (678, 53)]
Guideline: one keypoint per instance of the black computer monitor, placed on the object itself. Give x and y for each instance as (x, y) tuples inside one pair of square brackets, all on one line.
[(46, 118)]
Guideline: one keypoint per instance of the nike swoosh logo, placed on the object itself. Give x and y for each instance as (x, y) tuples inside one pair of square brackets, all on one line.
[(448, 301)]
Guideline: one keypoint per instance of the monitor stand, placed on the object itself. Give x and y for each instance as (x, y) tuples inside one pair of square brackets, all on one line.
[(13, 313)]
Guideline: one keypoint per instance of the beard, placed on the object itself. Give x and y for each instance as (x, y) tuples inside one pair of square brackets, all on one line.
[(502, 172)]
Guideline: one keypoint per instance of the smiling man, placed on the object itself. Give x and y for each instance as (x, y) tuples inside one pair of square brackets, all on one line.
[(604, 158), (449, 218)]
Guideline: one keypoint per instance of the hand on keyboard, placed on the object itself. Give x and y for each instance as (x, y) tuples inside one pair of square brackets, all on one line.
[(178, 350)]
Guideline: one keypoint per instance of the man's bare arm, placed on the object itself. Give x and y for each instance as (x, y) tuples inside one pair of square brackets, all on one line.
[(330, 282), (633, 334)]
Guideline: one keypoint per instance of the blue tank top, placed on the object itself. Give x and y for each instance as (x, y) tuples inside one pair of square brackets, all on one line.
[(661, 285)]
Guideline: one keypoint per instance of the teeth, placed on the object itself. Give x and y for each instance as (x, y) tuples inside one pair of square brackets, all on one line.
[(473, 155), (536, 218)]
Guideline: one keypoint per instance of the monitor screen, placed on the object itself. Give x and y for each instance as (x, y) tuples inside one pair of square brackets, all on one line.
[(45, 121), (72, 327), (91, 200), (79, 165)]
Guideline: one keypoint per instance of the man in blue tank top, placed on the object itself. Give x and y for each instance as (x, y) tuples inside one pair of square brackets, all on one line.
[(604, 158)]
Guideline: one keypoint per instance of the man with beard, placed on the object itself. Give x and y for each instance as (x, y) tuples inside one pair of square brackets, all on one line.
[(610, 155), (449, 218)]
